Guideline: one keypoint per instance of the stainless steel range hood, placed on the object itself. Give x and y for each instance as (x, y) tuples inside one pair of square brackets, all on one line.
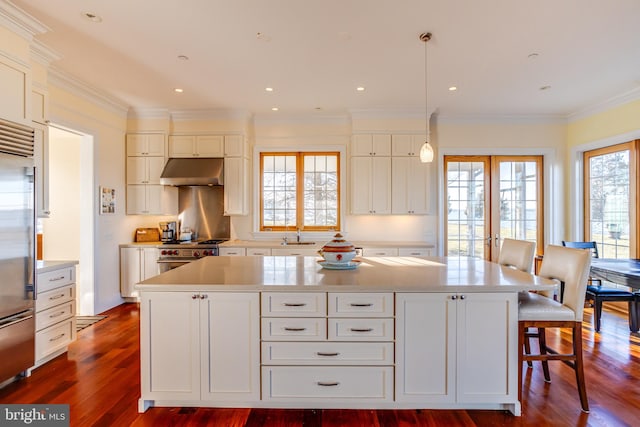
[(203, 171)]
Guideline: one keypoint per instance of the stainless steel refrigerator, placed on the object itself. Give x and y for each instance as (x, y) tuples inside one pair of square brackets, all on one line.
[(17, 264)]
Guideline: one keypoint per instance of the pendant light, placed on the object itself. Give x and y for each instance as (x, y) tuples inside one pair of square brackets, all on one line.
[(426, 151)]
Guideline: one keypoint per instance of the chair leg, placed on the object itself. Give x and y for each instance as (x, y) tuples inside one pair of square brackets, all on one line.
[(527, 347), (542, 342), (579, 366), (597, 312)]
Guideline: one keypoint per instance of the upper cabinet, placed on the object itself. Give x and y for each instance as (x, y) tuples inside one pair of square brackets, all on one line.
[(196, 146), (371, 145), (235, 146), (146, 144), (407, 145), (15, 87), (40, 105), (41, 159)]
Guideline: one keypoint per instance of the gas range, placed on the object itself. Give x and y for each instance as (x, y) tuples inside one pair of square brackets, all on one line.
[(189, 251)]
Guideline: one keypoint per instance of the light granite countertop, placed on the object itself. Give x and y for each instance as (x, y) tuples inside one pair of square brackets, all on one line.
[(45, 266), (374, 274), (278, 244)]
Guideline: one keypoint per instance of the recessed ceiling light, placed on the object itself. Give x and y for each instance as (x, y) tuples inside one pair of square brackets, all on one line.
[(360, 89), (453, 88), (183, 57), (532, 55), (178, 90), (268, 89), (92, 17), (274, 108), (546, 87)]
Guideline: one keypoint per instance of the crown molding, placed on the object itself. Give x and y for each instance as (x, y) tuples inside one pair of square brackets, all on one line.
[(302, 118), (18, 21), (149, 113), (77, 87), (613, 102), (501, 118), (386, 113), (43, 54), (209, 114)]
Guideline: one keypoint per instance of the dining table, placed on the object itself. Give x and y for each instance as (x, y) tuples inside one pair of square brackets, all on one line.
[(623, 271)]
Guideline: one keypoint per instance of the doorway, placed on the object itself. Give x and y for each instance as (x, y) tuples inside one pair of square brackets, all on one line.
[(68, 231), (489, 198)]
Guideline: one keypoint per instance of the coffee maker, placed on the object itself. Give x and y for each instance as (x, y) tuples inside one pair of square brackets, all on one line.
[(168, 231)]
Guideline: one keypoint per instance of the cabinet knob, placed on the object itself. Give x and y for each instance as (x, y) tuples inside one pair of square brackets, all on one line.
[(194, 296), (454, 297), (203, 296), (462, 297)]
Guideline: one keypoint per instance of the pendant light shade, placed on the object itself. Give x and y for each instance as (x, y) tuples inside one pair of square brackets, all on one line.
[(426, 151)]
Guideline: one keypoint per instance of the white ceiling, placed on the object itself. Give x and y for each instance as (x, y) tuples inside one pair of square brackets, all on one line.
[(314, 53)]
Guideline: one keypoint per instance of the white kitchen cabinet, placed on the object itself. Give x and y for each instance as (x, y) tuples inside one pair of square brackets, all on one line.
[(409, 186), (41, 159), (152, 200), (407, 145), (236, 186), (15, 87), (235, 146), (298, 251), (446, 354), (146, 144), (374, 251), (258, 251), (196, 146), (144, 170), (202, 347), (40, 105), (370, 185), (415, 252), (136, 265), (55, 313), (232, 251), (371, 145)]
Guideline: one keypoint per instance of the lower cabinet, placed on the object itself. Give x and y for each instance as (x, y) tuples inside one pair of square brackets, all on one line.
[(456, 348), (136, 265), (200, 346), (55, 313)]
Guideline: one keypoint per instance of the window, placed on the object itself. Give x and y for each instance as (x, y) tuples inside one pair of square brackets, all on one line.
[(300, 191), (609, 199)]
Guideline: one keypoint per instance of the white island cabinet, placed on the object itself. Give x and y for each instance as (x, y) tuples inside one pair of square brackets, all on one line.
[(283, 332), (200, 346)]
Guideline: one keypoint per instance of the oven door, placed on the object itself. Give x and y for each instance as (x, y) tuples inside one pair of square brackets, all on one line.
[(165, 265)]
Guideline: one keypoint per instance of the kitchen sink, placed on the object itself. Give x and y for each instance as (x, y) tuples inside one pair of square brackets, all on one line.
[(297, 243)]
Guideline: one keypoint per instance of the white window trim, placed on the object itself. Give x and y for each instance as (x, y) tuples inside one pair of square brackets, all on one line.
[(277, 235)]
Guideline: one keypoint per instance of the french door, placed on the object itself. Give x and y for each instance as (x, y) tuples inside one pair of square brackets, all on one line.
[(489, 198)]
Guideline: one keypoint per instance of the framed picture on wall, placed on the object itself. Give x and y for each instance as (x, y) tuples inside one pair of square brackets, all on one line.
[(107, 201)]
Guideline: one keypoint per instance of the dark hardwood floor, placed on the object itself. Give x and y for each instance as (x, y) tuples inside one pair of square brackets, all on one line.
[(99, 378)]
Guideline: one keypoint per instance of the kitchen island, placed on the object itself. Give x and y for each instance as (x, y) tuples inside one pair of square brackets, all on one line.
[(283, 332)]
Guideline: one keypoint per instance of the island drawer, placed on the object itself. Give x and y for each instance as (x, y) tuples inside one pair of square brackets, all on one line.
[(327, 353), (361, 329), (54, 315), (294, 329), (55, 278), (361, 304), (289, 304), (54, 297), (300, 383)]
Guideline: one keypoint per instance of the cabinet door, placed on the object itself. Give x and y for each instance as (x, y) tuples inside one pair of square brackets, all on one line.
[(154, 195), (406, 145), (210, 146), (381, 183), (136, 199), (155, 145), (182, 146), (149, 263), (426, 347), (155, 165), (41, 158), (39, 106), (487, 347), (170, 350), (362, 145), (143, 144), (361, 185), (235, 186), (234, 146), (410, 185), (230, 336), (137, 170), (232, 251), (130, 271), (15, 87), (381, 145)]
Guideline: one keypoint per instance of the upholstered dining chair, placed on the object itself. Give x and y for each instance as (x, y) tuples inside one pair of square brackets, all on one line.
[(517, 254), (598, 294), (571, 267)]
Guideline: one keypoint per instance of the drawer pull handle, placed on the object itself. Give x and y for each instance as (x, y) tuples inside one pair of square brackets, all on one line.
[(52, 316), (328, 384), (56, 338), (294, 304), (55, 279), (288, 328), (355, 304), (361, 329), (56, 297), (328, 354)]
